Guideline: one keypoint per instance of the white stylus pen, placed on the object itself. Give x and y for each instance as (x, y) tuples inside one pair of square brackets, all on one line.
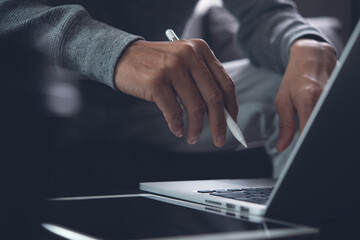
[(235, 130)]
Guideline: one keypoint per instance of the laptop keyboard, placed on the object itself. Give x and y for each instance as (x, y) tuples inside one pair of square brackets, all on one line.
[(253, 195)]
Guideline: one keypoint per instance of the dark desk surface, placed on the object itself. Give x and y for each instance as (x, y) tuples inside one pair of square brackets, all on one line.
[(103, 218), (149, 216), (336, 228)]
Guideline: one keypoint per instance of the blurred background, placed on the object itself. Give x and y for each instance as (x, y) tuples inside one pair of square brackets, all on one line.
[(346, 11), (210, 21)]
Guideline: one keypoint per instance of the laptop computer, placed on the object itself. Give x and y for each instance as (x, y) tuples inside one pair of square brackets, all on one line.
[(321, 176)]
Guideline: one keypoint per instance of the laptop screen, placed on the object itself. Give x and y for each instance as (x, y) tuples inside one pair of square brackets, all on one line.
[(322, 172)]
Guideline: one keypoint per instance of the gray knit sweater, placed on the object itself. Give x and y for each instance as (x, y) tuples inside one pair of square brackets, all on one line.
[(71, 38)]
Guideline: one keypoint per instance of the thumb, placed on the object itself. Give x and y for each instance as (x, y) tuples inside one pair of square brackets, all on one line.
[(287, 125)]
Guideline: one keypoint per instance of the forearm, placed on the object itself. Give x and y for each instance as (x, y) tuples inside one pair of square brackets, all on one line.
[(66, 35), (268, 30)]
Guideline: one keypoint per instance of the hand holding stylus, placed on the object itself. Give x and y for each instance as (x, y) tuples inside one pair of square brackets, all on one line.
[(235, 130), (164, 72)]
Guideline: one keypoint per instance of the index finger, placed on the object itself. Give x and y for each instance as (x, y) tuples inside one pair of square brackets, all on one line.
[(213, 99), (222, 78)]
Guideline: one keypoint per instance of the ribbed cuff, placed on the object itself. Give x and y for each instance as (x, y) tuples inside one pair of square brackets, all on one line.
[(297, 32), (93, 48)]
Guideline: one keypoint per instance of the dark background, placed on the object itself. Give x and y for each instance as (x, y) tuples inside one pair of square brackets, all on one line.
[(347, 11)]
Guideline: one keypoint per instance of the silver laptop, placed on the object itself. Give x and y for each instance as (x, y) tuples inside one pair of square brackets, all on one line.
[(321, 177)]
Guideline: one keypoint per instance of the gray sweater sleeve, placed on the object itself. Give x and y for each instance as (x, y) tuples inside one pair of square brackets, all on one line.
[(66, 35), (267, 30)]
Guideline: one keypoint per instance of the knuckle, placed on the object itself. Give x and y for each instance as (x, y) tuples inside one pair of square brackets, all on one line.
[(219, 127), (174, 116), (199, 111), (155, 80), (188, 49), (315, 92), (200, 43), (284, 126), (310, 95), (229, 84), (283, 131), (216, 98), (205, 49)]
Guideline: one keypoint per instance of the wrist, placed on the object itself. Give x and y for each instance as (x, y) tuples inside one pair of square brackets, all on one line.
[(313, 57), (312, 46), (123, 63)]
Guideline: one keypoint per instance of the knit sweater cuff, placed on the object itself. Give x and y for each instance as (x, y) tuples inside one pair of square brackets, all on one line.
[(297, 32), (93, 48)]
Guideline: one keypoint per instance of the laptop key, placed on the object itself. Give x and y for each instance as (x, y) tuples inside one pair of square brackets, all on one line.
[(221, 190), (229, 194), (205, 191), (222, 194), (259, 201), (253, 195)]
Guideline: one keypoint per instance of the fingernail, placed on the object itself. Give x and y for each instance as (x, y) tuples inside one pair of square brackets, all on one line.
[(193, 140), (220, 140), (179, 134)]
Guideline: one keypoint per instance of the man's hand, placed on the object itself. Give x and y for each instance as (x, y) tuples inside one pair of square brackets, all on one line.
[(310, 66), (187, 69)]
